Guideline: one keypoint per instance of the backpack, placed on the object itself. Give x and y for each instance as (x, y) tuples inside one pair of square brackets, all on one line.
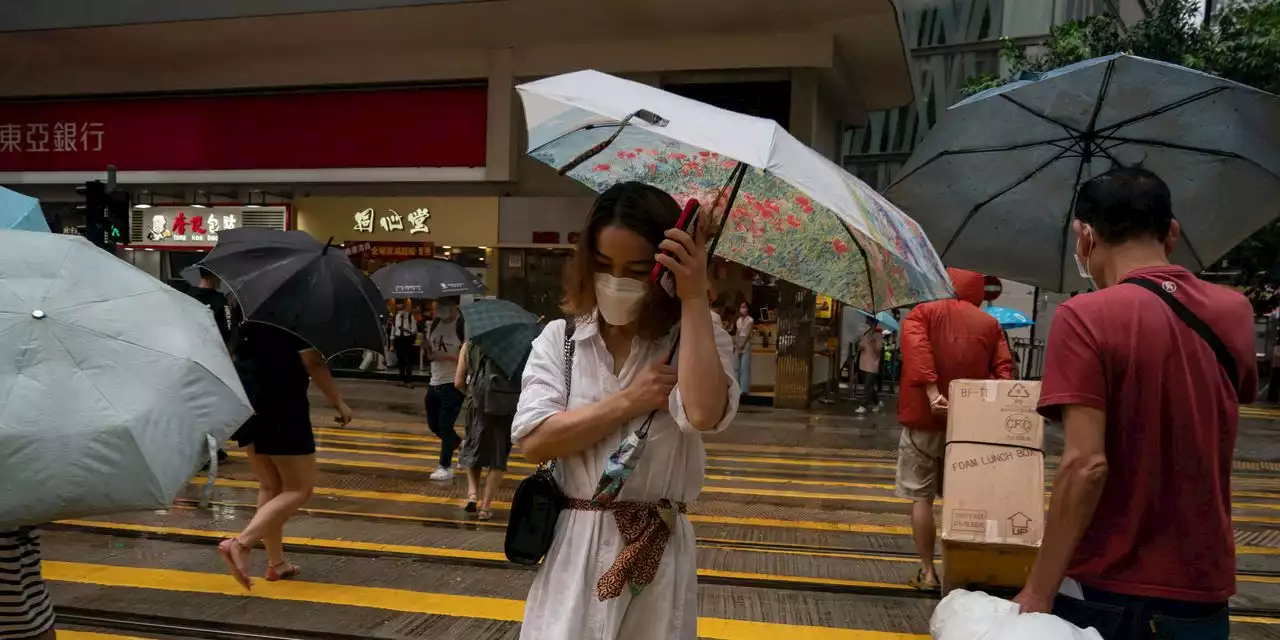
[(492, 392)]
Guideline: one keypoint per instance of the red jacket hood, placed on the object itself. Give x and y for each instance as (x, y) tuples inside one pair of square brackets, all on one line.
[(969, 286)]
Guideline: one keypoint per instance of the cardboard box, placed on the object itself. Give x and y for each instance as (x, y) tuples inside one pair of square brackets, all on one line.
[(993, 483)]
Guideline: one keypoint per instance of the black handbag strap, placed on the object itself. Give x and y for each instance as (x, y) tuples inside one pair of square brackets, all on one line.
[(570, 325), (1225, 359)]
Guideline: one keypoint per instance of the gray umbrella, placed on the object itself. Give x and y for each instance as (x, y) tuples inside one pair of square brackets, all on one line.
[(111, 382), (429, 279), (994, 183)]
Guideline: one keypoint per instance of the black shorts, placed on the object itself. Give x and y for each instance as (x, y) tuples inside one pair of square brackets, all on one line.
[(278, 435)]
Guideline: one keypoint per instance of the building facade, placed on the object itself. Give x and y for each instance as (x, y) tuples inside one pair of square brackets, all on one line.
[(392, 126), (951, 42)]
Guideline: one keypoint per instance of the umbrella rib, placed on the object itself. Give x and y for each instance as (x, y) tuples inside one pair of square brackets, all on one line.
[(866, 262), (579, 129), (1163, 110), (958, 152), (1182, 147), (974, 211), (741, 171), (1066, 127), (1102, 96)]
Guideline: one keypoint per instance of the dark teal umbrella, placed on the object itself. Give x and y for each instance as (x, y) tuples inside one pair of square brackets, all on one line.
[(503, 331)]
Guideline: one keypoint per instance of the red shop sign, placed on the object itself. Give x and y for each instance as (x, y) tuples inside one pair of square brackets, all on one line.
[(436, 127)]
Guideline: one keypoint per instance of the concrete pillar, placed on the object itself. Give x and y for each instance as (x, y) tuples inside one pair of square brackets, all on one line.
[(793, 382), (501, 120)]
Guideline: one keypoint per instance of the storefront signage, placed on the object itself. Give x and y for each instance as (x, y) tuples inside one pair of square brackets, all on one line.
[(47, 137), (183, 227), (198, 226), (423, 127), (390, 220)]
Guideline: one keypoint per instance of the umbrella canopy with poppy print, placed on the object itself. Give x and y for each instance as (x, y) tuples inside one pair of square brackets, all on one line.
[(782, 208)]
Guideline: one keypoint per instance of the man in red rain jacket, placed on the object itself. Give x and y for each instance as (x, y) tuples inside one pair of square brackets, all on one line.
[(942, 341)]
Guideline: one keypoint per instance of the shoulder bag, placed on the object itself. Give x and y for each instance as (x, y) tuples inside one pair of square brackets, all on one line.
[(536, 506)]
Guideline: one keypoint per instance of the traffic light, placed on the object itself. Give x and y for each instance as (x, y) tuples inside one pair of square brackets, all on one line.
[(95, 214), (118, 216)]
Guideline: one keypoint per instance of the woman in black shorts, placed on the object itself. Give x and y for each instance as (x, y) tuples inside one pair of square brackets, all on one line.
[(276, 368)]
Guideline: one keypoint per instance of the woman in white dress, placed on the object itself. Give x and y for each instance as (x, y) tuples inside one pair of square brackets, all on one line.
[(597, 582)]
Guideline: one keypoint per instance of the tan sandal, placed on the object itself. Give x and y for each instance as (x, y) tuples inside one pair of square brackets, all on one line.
[(921, 583), (274, 573), (230, 550)]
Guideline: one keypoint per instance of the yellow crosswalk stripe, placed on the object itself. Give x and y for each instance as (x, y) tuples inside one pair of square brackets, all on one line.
[(693, 517), (420, 602), (66, 634)]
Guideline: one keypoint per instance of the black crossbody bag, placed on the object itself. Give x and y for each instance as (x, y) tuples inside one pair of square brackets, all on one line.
[(536, 506)]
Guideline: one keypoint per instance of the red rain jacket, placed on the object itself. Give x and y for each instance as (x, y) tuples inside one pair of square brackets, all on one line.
[(947, 340)]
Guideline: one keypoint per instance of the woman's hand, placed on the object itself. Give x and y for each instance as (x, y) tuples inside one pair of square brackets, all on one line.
[(652, 389), (344, 416), (688, 260)]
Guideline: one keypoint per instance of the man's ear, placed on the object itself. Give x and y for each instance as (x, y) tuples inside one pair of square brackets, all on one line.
[(1171, 240)]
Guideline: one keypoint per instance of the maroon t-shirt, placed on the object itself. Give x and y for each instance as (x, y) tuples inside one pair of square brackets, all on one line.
[(1162, 528)]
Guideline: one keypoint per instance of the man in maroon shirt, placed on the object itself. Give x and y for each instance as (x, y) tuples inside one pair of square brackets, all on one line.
[(1140, 517)]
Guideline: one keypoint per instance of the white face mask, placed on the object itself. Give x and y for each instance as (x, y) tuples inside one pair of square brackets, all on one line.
[(619, 299)]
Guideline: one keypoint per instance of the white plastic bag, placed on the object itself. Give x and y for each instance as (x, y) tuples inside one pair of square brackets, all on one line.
[(974, 615)]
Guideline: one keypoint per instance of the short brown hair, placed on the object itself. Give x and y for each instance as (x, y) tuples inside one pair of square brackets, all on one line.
[(648, 212)]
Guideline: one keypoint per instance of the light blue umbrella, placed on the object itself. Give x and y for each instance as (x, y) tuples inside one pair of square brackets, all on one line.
[(884, 318), (1009, 318), (994, 183), (20, 212)]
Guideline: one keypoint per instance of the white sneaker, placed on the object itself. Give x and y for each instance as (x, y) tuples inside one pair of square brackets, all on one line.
[(861, 410), (442, 474)]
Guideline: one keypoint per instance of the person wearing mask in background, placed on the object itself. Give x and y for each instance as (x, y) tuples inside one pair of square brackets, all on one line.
[(870, 359), (743, 325), (444, 400), (592, 584), (206, 291), (404, 330), (1138, 389), (941, 341)]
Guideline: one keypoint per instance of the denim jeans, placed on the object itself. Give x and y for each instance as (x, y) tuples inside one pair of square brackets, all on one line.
[(444, 403), (1122, 617)]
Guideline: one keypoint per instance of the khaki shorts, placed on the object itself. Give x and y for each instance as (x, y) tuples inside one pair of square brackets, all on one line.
[(920, 464)]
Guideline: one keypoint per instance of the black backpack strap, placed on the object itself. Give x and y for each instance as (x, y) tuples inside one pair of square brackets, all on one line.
[(1202, 328)]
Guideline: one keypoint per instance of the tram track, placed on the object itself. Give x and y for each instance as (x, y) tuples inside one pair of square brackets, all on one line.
[(708, 576), (178, 627)]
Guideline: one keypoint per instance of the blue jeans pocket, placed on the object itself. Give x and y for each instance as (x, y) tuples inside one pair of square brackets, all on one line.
[(1214, 627)]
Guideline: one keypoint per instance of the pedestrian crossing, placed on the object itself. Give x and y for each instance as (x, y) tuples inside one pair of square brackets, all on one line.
[(785, 537)]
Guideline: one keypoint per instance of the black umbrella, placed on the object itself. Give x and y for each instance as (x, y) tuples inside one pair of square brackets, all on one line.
[(426, 279), (289, 280), (191, 275)]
